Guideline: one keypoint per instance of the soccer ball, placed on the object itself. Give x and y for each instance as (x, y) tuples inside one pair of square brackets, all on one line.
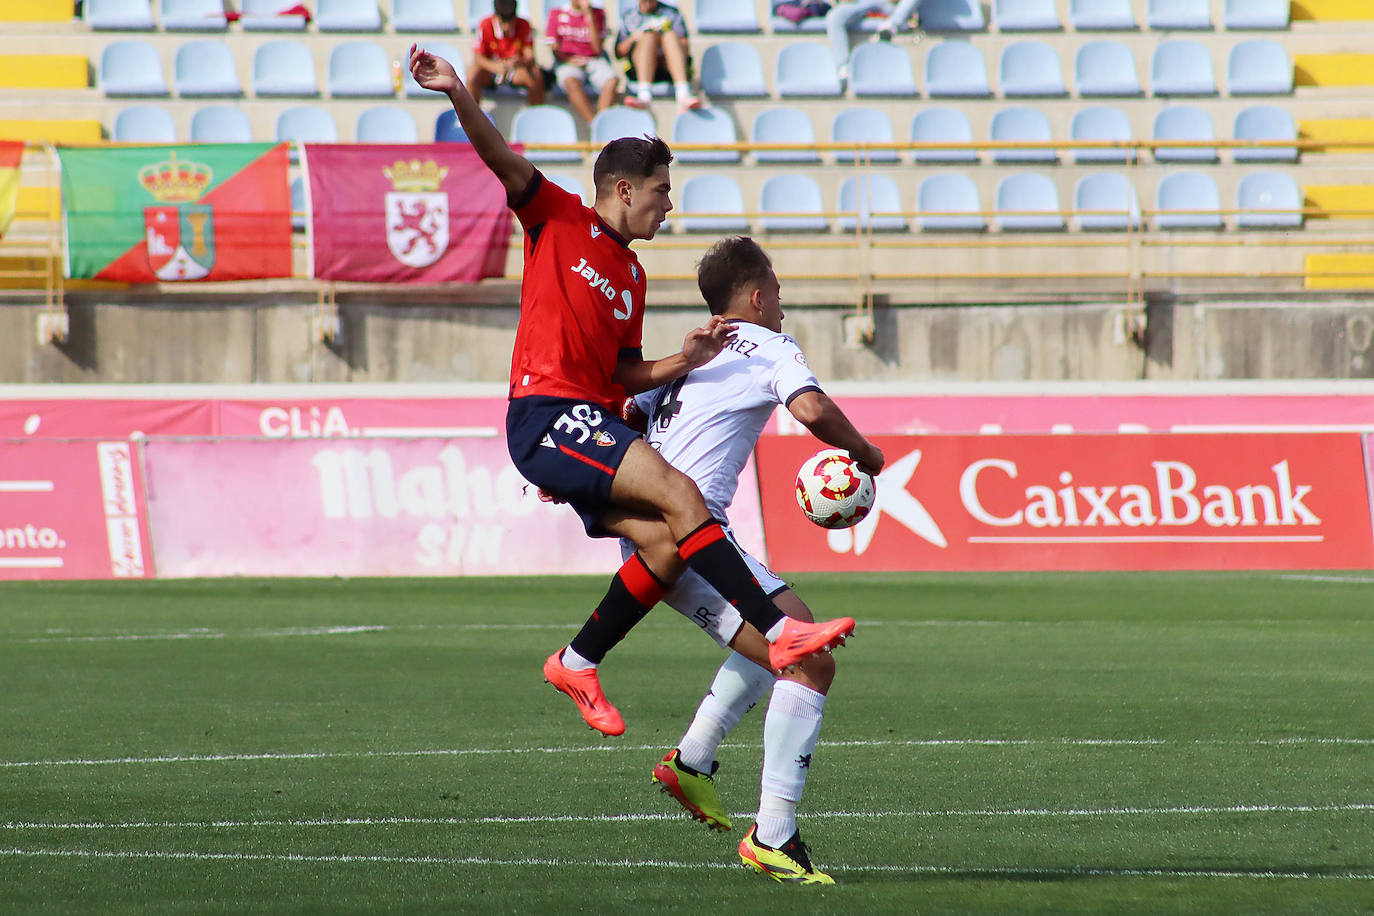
[(833, 490)]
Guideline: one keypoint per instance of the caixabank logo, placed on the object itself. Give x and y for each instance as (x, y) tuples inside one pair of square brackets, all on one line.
[(1291, 501)]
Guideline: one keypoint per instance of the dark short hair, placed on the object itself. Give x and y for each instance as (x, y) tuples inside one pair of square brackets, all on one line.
[(505, 9), (635, 158), (728, 266)]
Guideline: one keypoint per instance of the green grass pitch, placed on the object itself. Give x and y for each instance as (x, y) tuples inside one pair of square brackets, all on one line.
[(1094, 743)]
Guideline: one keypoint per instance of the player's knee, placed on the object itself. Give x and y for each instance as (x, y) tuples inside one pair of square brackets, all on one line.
[(680, 492)]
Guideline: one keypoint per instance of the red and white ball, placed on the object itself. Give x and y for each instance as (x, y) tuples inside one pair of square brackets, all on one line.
[(833, 490)]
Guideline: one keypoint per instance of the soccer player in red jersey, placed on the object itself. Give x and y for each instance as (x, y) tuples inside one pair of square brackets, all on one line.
[(577, 354)]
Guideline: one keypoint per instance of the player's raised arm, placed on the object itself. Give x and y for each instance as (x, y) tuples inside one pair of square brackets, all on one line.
[(435, 73), (699, 348), (823, 417)]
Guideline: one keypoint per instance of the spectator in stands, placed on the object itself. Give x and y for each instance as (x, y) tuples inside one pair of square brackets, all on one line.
[(801, 10), (844, 16), (653, 38), (575, 34), (505, 54)]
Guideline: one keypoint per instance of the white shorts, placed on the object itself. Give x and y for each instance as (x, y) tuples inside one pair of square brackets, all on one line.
[(598, 72), (695, 599)]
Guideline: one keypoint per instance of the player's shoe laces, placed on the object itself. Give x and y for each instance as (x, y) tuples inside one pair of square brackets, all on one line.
[(694, 791), (585, 689), (798, 640), (790, 862)]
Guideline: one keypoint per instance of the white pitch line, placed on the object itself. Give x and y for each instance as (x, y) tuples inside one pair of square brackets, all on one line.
[(217, 634), (1305, 577)]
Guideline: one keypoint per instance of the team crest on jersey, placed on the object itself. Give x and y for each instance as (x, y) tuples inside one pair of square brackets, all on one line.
[(596, 230), (603, 439)]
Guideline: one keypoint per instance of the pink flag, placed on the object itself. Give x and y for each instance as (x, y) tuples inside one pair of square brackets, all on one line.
[(417, 213)]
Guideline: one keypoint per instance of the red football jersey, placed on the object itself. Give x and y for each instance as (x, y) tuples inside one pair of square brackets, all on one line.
[(581, 302), (498, 43)]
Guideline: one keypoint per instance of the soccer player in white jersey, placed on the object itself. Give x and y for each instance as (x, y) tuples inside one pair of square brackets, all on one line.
[(706, 425)]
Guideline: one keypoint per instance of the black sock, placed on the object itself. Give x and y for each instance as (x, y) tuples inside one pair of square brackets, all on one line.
[(633, 593), (711, 555)]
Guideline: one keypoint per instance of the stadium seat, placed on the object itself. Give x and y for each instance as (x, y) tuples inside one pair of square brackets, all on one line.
[(546, 124), (876, 201), (1026, 16), (955, 69), (1028, 202), (1269, 15), (784, 125), (1259, 67), (220, 124), (570, 184), (942, 125), (1102, 15), (1022, 125), (131, 67), (307, 124), (862, 125), (144, 124), (614, 123), (262, 16), (1030, 68), (136, 15), (1265, 122), (1187, 200), (1164, 15), (952, 202), (359, 68), (447, 129), (724, 16), (347, 16), (284, 67), (795, 194), (386, 124), (805, 68), (1106, 202), (781, 25), (718, 194), (1105, 68), (1268, 191), (881, 69), (1184, 122), (423, 16), (732, 68), (952, 16), (448, 52), (1182, 67), (1101, 122), (298, 204), (205, 68), (194, 16), (705, 125)]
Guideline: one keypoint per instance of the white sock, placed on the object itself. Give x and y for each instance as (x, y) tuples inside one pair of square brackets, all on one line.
[(642, 91), (574, 662), (738, 685), (775, 631), (790, 731), (683, 90)]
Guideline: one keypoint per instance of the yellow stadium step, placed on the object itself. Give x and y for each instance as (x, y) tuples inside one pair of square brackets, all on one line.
[(35, 10), (38, 203), (73, 130), (1339, 201), (1337, 131), (44, 71), (1333, 70), (1332, 10), (1339, 271)]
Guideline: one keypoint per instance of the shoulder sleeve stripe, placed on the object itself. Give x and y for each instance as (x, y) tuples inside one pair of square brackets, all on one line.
[(522, 200), (801, 391)]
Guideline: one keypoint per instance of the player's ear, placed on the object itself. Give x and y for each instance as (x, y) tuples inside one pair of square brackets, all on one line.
[(624, 190)]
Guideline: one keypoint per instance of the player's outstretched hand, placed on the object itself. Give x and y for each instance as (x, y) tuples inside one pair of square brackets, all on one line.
[(870, 459), (432, 71), (704, 343)]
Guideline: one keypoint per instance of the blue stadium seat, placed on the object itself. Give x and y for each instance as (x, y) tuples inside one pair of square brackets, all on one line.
[(131, 67), (784, 125), (1101, 122), (1022, 125), (386, 124), (359, 68), (1269, 15), (220, 124), (614, 123), (782, 25), (1165, 15), (1184, 122), (724, 16), (448, 52), (732, 68), (447, 129), (791, 193), (876, 202), (1265, 122), (942, 125), (1259, 67), (1187, 200), (307, 124), (119, 14), (1030, 68), (205, 68), (423, 16), (1028, 202), (1102, 15), (1105, 68), (194, 16), (862, 125), (1268, 191), (546, 124), (718, 194), (705, 125), (1026, 16), (298, 204), (284, 67), (951, 16), (144, 124), (347, 16), (955, 69), (1113, 198), (881, 69), (570, 184), (1182, 67), (954, 199), (261, 16), (805, 68)]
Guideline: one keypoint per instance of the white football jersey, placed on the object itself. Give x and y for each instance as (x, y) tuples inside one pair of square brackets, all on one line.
[(706, 423)]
